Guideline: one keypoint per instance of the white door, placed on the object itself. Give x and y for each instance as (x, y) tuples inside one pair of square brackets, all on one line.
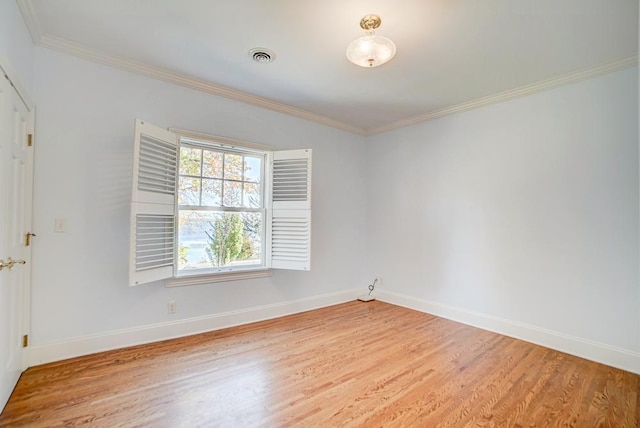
[(16, 172)]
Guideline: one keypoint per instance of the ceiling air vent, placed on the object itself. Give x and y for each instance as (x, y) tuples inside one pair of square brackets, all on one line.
[(262, 55)]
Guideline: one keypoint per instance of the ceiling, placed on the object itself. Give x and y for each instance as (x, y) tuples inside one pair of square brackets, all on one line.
[(452, 54)]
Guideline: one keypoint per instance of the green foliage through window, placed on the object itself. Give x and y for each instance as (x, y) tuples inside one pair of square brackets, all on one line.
[(221, 208)]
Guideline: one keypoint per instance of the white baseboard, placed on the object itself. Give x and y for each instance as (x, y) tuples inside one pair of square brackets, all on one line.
[(42, 354), (605, 354), (594, 351)]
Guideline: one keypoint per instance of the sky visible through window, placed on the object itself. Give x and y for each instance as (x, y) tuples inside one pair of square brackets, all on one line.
[(221, 209)]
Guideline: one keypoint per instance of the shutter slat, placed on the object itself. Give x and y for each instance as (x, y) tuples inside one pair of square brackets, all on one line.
[(153, 222), (160, 252), (290, 239), (291, 179), (158, 166), (290, 226)]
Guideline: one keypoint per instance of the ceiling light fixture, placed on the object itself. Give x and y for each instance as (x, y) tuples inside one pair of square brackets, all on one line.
[(370, 50)]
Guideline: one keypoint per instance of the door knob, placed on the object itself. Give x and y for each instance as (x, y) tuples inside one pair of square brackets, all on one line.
[(10, 262)]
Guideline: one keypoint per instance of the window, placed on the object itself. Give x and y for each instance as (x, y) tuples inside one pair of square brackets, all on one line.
[(221, 211), (206, 208)]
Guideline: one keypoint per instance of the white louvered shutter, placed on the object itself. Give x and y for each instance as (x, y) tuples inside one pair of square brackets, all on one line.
[(290, 214), (153, 220)]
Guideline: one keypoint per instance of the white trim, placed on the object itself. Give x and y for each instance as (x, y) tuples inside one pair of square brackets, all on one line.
[(216, 139), (42, 354), (192, 82), (543, 85), (12, 78), (76, 49), (198, 279), (599, 352)]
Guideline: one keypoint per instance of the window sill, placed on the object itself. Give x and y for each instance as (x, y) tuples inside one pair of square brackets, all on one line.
[(216, 277)]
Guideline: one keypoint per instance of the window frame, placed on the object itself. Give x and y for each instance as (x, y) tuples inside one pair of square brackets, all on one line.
[(153, 210), (227, 273)]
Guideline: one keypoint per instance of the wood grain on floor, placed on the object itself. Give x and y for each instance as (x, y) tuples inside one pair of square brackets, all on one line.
[(349, 365)]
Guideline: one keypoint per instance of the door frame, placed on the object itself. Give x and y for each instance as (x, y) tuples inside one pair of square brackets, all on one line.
[(7, 69)]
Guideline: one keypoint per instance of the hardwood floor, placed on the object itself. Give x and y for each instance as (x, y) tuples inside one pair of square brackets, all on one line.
[(355, 364)]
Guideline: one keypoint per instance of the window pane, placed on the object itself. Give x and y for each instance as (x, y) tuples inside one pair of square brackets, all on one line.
[(212, 164), (252, 169), (232, 167), (232, 194), (214, 239), (190, 161), (211, 192), (252, 223), (189, 191), (252, 197)]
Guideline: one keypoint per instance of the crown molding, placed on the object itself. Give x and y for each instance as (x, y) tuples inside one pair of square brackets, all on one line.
[(72, 48), (48, 41), (30, 19), (543, 85), (202, 85)]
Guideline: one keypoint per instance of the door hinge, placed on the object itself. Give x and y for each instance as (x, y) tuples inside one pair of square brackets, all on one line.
[(27, 238), (25, 340), (29, 140)]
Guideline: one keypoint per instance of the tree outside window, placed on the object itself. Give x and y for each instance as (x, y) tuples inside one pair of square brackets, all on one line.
[(221, 208)]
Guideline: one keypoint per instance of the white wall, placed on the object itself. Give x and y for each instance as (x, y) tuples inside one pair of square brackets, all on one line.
[(525, 211), (84, 131), (15, 43)]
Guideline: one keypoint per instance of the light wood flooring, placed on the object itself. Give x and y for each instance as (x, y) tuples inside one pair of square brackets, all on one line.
[(351, 365)]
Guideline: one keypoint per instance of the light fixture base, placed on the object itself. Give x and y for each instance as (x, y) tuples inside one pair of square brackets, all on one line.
[(370, 50), (370, 22)]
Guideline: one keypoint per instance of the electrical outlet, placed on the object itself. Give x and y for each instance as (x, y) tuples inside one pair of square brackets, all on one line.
[(171, 307)]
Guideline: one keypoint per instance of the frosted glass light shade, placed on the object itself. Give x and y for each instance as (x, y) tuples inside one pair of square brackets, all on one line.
[(371, 51)]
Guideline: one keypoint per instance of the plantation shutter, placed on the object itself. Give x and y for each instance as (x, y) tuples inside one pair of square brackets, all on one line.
[(290, 214), (153, 220)]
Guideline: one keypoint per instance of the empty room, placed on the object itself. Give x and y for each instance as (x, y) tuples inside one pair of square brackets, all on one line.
[(328, 213)]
